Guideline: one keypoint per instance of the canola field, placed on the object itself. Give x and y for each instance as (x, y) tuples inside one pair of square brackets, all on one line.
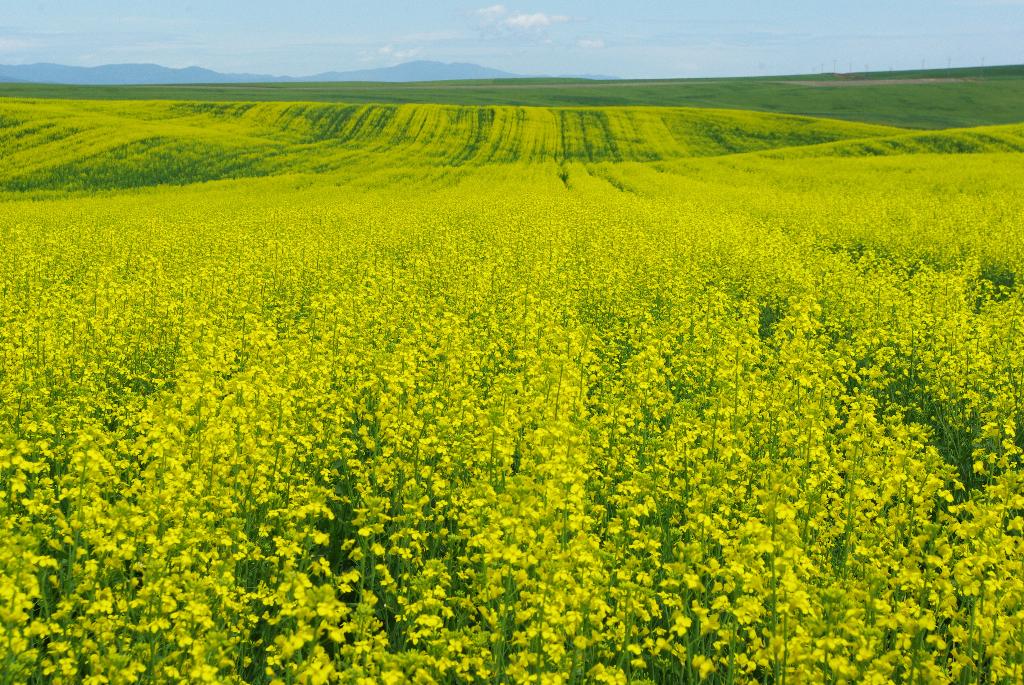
[(434, 394)]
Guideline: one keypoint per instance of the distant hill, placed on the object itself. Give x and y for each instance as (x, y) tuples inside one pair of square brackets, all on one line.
[(122, 74), (154, 74)]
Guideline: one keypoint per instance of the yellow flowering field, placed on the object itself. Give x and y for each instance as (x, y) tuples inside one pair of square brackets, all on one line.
[(329, 394)]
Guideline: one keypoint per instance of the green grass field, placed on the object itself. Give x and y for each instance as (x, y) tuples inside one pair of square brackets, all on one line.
[(433, 393), (955, 97)]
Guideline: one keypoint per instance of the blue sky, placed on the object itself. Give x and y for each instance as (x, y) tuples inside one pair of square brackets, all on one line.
[(657, 38)]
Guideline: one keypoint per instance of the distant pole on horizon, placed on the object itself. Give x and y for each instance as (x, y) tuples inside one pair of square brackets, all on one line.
[(835, 66)]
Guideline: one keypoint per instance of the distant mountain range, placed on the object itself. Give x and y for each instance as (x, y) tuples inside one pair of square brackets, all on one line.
[(154, 74)]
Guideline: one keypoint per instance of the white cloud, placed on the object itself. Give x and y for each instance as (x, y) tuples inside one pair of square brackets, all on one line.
[(537, 20), (590, 43), (502, 18)]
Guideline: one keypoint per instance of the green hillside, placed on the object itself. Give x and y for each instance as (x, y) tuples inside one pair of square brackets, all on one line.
[(918, 99), (82, 146), (91, 145), (950, 141)]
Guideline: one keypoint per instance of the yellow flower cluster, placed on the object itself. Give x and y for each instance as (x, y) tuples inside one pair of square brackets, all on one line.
[(741, 419)]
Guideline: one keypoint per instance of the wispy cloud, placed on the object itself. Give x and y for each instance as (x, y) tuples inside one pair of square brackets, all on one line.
[(492, 14), (400, 54), (590, 43), (15, 43)]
